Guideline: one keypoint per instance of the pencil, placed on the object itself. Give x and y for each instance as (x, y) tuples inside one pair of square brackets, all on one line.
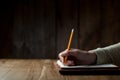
[(69, 43)]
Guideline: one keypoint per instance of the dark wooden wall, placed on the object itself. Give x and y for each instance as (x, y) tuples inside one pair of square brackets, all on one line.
[(41, 28)]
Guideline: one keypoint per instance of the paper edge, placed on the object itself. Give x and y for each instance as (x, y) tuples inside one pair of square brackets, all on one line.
[(87, 66)]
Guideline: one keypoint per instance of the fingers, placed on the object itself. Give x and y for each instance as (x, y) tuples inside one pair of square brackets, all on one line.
[(62, 55), (69, 63), (66, 53), (71, 54)]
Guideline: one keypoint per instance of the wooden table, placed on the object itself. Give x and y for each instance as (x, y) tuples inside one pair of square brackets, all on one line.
[(36, 69)]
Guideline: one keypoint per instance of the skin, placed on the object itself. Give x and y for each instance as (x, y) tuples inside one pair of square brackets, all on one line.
[(78, 57)]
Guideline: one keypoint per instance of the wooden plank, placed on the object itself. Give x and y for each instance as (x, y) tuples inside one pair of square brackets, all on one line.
[(66, 20), (34, 69), (49, 71), (90, 16), (41, 28), (5, 67), (22, 70), (111, 22), (34, 29)]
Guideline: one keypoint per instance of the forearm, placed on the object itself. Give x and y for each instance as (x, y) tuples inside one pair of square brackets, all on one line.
[(110, 54)]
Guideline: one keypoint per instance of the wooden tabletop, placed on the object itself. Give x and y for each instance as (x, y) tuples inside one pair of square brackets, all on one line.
[(36, 69)]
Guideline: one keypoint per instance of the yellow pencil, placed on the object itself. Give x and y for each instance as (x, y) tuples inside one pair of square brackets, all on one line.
[(69, 43)]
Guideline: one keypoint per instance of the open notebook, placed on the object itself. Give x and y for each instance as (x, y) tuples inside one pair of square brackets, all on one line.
[(103, 69), (61, 65)]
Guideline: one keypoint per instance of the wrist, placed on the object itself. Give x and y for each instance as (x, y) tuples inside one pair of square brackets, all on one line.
[(93, 57)]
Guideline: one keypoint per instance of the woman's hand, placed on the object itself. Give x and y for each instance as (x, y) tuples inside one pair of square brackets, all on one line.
[(78, 57)]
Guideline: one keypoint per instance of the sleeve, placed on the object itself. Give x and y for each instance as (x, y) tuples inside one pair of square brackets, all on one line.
[(109, 54)]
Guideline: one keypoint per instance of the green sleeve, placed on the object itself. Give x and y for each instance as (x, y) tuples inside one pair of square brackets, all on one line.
[(109, 54)]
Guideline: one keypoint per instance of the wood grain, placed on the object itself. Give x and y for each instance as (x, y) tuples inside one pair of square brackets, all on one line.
[(36, 69), (40, 28)]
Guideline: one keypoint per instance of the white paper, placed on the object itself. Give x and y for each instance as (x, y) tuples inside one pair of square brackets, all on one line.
[(87, 66)]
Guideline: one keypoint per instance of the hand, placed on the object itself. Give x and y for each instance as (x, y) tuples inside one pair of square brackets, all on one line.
[(78, 57)]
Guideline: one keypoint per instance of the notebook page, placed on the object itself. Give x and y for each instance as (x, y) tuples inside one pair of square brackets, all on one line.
[(87, 66)]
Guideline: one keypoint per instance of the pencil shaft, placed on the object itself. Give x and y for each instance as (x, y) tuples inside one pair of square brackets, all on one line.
[(69, 44)]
